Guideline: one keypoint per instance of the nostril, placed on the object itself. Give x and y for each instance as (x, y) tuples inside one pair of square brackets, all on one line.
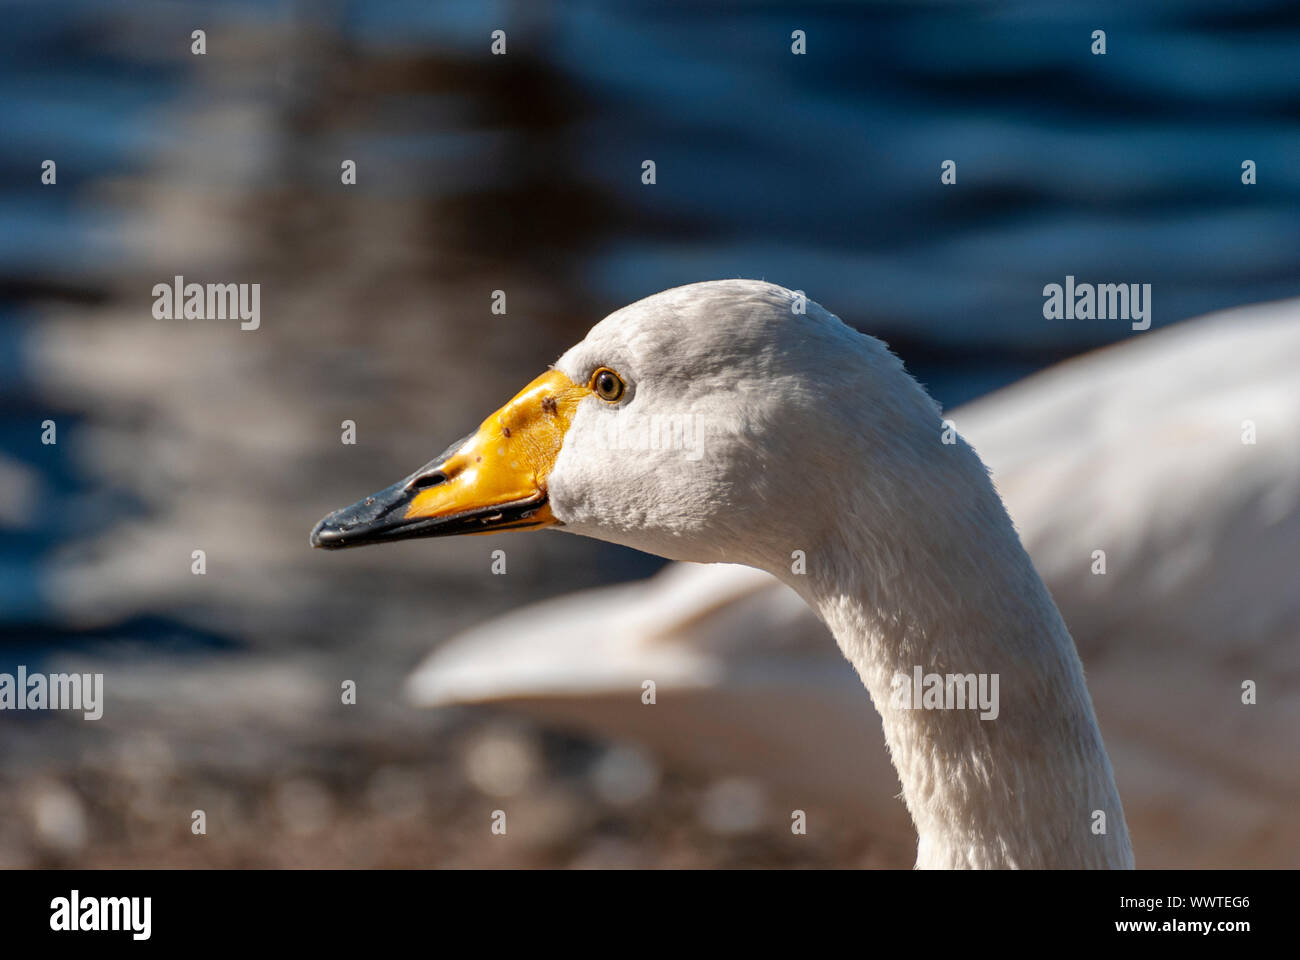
[(425, 480)]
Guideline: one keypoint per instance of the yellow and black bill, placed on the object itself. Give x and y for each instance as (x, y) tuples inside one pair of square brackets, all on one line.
[(494, 479)]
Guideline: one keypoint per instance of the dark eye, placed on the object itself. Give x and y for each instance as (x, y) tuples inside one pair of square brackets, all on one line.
[(607, 384)]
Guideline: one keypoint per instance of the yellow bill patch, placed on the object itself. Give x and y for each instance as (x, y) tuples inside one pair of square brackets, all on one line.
[(510, 456)]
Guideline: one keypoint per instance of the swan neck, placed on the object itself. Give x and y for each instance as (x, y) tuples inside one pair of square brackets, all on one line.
[(1018, 778)]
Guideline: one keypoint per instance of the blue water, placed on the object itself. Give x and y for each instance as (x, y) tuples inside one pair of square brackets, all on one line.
[(820, 172)]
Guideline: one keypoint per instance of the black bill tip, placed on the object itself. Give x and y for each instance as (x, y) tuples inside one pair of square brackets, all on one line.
[(370, 520), (327, 536), (381, 517)]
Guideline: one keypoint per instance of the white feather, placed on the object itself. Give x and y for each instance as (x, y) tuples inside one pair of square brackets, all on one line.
[(1197, 793), (818, 441)]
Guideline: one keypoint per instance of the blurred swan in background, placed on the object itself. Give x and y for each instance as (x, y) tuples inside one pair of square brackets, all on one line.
[(1136, 450)]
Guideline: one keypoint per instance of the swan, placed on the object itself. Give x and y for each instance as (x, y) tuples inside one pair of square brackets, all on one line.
[(1195, 600), (750, 683), (818, 459)]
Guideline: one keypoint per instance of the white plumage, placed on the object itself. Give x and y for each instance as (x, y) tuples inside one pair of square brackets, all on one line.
[(817, 441), (1136, 450)]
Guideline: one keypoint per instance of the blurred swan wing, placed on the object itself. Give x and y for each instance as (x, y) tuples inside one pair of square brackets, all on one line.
[(1144, 451), (746, 682)]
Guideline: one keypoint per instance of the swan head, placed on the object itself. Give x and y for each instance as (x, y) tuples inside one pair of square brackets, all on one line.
[(719, 421)]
